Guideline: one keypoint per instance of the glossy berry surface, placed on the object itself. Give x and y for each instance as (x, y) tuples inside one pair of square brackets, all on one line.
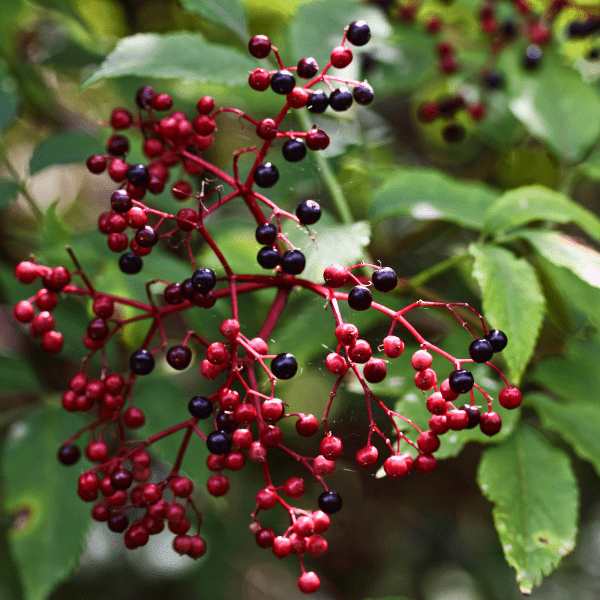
[(384, 279), (218, 442), (360, 298), (497, 340), (318, 102), (69, 454), (283, 82), (204, 280), (461, 381), (340, 99), (266, 175), (200, 407), (481, 350), (259, 46), (294, 150), (266, 234), (293, 262), (268, 257), (363, 94), (358, 33), (284, 366), (309, 212), (130, 264), (307, 68), (142, 362), (330, 502)]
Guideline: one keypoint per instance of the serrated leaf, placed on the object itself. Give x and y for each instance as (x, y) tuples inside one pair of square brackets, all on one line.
[(578, 423), (64, 148), (553, 102), (536, 497), (428, 194), (183, 56), (17, 375), (51, 520), (8, 191), (574, 376), (227, 13), (512, 301), (532, 203)]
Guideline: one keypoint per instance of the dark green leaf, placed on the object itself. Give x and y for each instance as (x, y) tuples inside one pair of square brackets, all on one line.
[(553, 102), (41, 494), (532, 203), (536, 497), (576, 422), (183, 56), (8, 190), (9, 98), (512, 301), (500, 129), (10, 584), (227, 13), (428, 194), (16, 375), (64, 148)]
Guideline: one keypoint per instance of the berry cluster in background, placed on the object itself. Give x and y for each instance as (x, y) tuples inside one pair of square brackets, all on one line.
[(238, 421)]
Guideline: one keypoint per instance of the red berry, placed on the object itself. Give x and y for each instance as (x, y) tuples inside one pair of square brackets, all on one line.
[(448, 64), (229, 329), (174, 513), (257, 452), (367, 456), (217, 485), (136, 218), (259, 80), (197, 548), (447, 392), (341, 57), (203, 125), (375, 370), (298, 97), (477, 111), (421, 360), (96, 164), (41, 323), (182, 190), (360, 351), (457, 419), (309, 582), (265, 538), (24, 311), (259, 46), (217, 354), (428, 442), (336, 364), (304, 526), (425, 463), (346, 334), (235, 460), (510, 398), (242, 438), (335, 276), (282, 546), (117, 170), (97, 451), (395, 466), (120, 118), (426, 380), (321, 521), (294, 487), (103, 306), (317, 139), (182, 544), (26, 272), (331, 447), (307, 425), (181, 486), (490, 423), (267, 129), (323, 466), (134, 417), (393, 346), (205, 105)]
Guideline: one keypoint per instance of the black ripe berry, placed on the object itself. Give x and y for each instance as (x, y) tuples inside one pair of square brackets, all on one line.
[(494, 80), (307, 68), (204, 280), (340, 99), (117, 145), (294, 150), (266, 234), (461, 381), (179, 357), (330, 502), (268, 257), (283, 82), (226, 421), (360, 298), (69, 454), (200, 407), (481, 350), (266, 175), (118, 522), (141, 362), (144, 96), (218, 442), (384, 279), (130, 263), (120, 201), (497, 339), (309, 212), (454, 133), (363, 94), (284, 366), (293, 262), (138, 175), (318, 102), (358, 33), (146, 237), (473, 414), (532, 57)]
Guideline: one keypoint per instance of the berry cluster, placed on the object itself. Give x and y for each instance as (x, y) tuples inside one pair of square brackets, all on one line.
[(239, 419), (524, 22)]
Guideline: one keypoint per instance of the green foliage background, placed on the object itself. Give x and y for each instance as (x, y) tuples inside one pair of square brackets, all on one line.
[(506, 220)]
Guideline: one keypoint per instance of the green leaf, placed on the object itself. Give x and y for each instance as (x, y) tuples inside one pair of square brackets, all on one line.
[(575, 376), (55, 233), (428, 194), (10, 584), (578, 423), (64, 148), (553, 102), (512, 301), (227, 13), (16, 375), (8, 190), (535, 494), (186, 56), (565, 251), (41, 494), (532, 203), (9, 98)]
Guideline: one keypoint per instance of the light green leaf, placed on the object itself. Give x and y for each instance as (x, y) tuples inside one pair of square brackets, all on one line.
[(186, 56), (553, 102), (8, 190), (578, 423), (512, 301), (535, 496), (9, 98), (565, 251), (41, 494), (428, 194), (227, 13), (55, 234), (64, 148), (532, 203)]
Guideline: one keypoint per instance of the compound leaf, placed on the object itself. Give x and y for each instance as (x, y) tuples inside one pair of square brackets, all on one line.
[(535, 202), (227, 13), (535, 496), (50, 520), (428, 194), (186, 56), (512, 301)]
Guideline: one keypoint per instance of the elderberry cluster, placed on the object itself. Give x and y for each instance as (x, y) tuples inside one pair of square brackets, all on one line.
[(241, 418)]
